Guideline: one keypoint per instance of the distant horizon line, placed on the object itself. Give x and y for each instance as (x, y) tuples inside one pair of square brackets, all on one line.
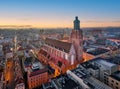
[(30, 26)]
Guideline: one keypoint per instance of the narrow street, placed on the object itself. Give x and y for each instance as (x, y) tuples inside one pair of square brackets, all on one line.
[(10, 74)]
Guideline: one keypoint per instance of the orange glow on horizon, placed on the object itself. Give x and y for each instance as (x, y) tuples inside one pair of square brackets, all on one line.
[(57, 24)]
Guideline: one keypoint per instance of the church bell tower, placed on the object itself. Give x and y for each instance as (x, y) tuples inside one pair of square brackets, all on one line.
[(76, 38)]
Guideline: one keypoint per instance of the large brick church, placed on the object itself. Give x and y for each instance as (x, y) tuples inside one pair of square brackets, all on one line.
[(63, 55)]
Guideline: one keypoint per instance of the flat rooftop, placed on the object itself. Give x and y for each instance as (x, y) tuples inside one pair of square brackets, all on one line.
[(37, 65), (116, 75), (37, 72), (115, 60), (105, 63), (80, 72), (97, 51), (70, 84), (88, 65), (67, 83), (88, 80)]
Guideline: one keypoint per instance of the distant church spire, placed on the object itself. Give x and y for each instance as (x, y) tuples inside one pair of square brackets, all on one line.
[(76, 23)]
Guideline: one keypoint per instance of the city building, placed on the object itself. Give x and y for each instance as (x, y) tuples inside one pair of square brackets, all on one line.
[(85, 80), (114, 80), (37, 75), (106, 69), (97, 51), (34, 72), (62, 82), (64, 50), (92, 69), (115, 59), (94, 52)]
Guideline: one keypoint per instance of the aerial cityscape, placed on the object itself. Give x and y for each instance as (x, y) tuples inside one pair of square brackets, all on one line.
[(59, 44)]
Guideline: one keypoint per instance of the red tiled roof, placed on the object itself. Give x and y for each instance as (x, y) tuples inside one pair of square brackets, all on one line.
[(58, 44)]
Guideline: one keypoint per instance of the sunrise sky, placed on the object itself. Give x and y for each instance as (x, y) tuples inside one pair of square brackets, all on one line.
[(60, 13)]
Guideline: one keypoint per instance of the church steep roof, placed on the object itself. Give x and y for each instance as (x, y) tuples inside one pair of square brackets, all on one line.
[(63, 46)]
